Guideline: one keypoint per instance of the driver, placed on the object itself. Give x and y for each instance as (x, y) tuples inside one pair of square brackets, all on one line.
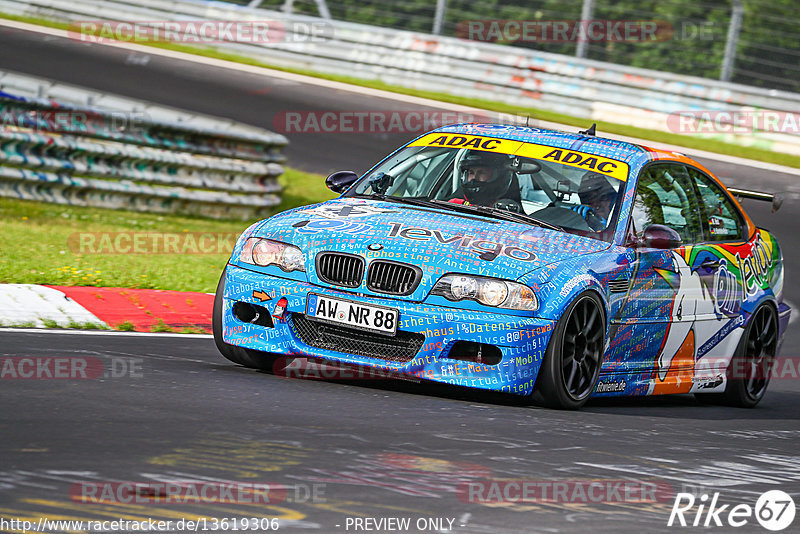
[(595, 192), (484, 178)]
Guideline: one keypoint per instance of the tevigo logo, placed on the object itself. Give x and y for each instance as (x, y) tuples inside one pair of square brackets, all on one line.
[(774, 510)]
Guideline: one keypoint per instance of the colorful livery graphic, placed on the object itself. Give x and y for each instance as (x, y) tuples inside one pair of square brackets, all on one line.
[(551, 265)]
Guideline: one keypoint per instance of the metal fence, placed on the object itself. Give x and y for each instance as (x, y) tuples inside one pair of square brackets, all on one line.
[(470, 68), (754, 42), (67, 145)]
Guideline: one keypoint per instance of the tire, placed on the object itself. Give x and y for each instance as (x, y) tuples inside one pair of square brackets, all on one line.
[(572, 362), (253, 359), (749, 371)]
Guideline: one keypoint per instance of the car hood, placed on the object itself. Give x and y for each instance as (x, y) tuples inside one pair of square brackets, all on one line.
[(437, 241)]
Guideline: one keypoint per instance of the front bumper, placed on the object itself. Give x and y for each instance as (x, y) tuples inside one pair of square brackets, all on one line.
[(522, 341)]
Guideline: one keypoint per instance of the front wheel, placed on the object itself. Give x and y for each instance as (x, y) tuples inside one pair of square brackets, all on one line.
[(574, 355), (749, 372), (253, 359)]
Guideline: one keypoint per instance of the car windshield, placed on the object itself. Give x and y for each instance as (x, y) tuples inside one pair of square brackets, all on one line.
[(533, 190)]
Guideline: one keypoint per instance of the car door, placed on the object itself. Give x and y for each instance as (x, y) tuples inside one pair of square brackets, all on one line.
[(717, 262), (654, 328)]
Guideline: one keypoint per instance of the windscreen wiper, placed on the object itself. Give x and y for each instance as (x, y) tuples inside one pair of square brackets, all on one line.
[(497, 213), (402, 200), (486, 211), (525, 218)]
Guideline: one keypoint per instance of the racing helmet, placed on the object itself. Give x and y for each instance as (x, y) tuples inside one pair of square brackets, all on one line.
[(595, 187), (480, 188)]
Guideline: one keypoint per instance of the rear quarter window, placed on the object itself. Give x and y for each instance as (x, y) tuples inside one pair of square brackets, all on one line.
[(721, 219)]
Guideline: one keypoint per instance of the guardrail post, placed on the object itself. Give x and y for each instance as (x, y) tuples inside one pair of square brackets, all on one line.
[(438, 17), (583, 40), (324, 12), (726, 72), (288, 7)]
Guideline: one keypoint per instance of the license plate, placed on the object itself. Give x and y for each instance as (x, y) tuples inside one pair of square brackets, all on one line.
[(354, 314)]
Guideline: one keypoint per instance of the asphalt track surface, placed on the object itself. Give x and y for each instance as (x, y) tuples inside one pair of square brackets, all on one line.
[(174, 409)]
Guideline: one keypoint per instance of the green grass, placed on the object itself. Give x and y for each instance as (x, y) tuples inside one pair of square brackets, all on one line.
[(192, 330), (711, 145), (41, 243), (302, 188), (76, 325), (160, 326), (88, 325)]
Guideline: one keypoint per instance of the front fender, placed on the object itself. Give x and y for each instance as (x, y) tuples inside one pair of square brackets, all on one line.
[(558, 284), (555, 296)]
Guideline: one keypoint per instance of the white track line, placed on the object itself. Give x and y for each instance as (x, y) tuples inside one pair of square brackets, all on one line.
[(310, 80)]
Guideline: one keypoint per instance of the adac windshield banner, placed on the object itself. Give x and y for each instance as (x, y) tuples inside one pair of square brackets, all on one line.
[(573, 158)]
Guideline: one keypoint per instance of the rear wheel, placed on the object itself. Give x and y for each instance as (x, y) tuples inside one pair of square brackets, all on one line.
[(253, 359), (574, 355), (749, 371)]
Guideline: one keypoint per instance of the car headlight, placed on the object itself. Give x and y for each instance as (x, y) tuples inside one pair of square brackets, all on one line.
[(489, 291), (263, 252)]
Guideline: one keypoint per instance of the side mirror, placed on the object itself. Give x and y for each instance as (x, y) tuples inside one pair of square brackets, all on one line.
[(340, 181), (660, 236)]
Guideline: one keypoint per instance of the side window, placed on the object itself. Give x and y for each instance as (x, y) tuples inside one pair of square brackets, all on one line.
[(722, 220), (665, 195)]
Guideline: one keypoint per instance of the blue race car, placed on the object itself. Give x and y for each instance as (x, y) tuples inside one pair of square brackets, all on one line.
[(545, 264)]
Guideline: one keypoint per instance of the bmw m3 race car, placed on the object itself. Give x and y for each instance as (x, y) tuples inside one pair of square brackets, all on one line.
[(552, 265)]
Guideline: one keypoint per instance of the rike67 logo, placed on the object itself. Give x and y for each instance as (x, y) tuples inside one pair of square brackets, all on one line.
[(774, 510)]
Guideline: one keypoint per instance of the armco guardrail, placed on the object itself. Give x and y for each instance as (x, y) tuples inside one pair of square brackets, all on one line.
[(592, 89), (119, 153)]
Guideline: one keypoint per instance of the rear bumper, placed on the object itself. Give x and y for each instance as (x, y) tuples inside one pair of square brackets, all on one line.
[(522, 341)]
